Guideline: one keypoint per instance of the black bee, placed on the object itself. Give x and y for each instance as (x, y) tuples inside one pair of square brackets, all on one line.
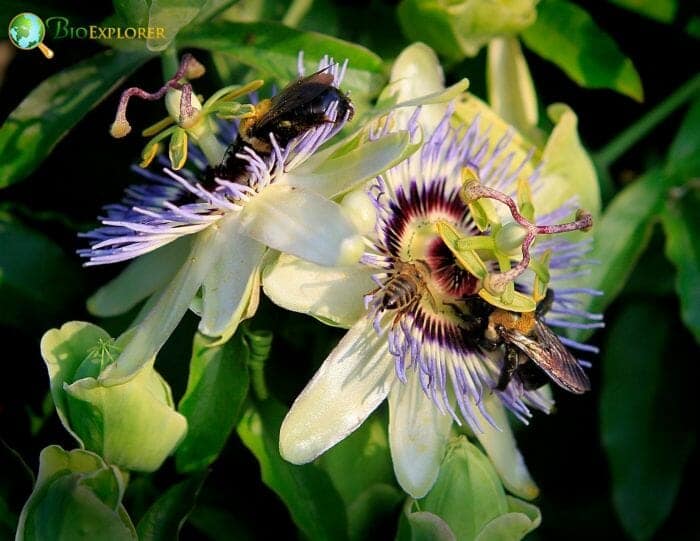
[(299, 107), (532, 352)]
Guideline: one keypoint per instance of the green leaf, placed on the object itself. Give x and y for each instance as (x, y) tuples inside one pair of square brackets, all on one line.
[(217, 524), (54, 107), (360, 460), (216, 389), (316, 507), (660, 10), (171, 16), (132, 12), (212, 8), (30, 267), (375, 505), (77, 496), (684, 153), (620, 237), (164, 519), (361, 470), (652, 264), (647, 417), (681, 222), (693, 27), (272, 49), (566, 35), (468, 492)]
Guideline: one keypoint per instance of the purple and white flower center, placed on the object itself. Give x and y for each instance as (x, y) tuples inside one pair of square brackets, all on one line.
[(409, 237)]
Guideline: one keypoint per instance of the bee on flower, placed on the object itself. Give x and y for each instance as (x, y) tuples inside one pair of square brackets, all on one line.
[(200, 238), (419, 334)]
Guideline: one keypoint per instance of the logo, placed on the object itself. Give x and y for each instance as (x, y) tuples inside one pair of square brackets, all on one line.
[(61, 28), (27, 31)]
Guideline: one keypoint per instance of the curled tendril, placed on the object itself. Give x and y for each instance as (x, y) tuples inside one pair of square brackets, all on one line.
[(259, 345)]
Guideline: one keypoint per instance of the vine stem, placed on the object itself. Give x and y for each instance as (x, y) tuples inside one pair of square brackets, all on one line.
[(296, 12), (610, 153)]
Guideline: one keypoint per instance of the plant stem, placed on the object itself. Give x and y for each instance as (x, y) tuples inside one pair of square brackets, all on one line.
[(610, 153), (211, 147), (169, 62), (296, 12)]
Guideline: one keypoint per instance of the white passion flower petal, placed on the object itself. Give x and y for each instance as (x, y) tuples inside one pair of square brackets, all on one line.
[(344, 171), (503, 451), (417, 72), (359, 208), (349, 385), (302, 223), (331, 294), (228, 288), (511, 90), (418, 434), (166, 311), (139, 279), (567, 169)]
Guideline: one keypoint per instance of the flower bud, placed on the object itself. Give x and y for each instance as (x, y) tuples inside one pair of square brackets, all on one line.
[(360, 211), (132, 424), (76, 496), (459, 29)]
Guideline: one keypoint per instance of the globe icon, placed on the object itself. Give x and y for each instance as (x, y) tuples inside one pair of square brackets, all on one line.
[(27, 31)]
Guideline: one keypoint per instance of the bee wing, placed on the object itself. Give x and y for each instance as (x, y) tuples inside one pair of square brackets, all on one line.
[(296, 94), (551, 355)]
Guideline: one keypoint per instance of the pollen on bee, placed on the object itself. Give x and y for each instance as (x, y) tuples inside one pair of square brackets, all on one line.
[(522, 322)]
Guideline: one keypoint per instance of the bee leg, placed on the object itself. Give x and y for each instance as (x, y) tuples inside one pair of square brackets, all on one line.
[(532, 376), (488, 345), (545, 304), (431, 300), (510, 364)]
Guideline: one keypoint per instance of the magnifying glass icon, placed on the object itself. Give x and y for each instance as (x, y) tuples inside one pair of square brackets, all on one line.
[(27, 31)]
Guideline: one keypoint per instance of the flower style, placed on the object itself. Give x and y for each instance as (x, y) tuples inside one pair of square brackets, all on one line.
[(193, 236), (410, 341)]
